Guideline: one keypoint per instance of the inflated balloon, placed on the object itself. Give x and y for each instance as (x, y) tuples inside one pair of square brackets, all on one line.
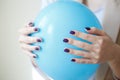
[(55, 22)]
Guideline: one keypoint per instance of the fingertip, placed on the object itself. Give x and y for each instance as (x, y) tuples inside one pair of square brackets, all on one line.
[(31, 24), (73, 60), (87, 28), (39, 40), (90, 30), (65, 40), (34, 56), (72, 32), (37, 48), (66, 50), (36, 29)]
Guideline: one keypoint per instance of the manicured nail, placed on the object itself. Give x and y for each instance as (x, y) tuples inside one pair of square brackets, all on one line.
[(88, 28), (34, 56), (65, 40), (73, 60), (31, 24), (72, 32), (37, 48), (36, 29), (39, 40), (66, 50)]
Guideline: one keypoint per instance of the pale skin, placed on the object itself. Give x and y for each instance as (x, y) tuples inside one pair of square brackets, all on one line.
[(103, 49)]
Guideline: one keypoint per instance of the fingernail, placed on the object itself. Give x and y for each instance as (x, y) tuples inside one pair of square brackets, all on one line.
[(65, 40), (31, 24), (88, 28), (37, 48), (39, 40), (73, 60), (72, 32), (34, 56), (66, 50), (36, 29)]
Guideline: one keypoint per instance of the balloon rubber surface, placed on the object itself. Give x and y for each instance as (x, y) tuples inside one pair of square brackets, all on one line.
[(55, 23)]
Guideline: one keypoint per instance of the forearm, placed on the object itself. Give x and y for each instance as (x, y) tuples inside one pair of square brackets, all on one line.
[(115, 64)]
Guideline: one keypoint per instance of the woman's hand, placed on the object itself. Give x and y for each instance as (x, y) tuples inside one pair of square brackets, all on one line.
[(25, 40), (101, 50)]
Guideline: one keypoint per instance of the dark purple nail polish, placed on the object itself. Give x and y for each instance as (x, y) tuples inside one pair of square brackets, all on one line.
[(37, 48), (39, 40), (88, 28), (36, 29), (31, 24), (66, 50), (72, 32), (73, 60), (65, 40), (34, 56)]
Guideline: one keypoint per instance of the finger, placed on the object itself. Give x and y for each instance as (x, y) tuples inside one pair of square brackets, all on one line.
[(29, 47), (30, 54), (30, 24), (28, 30), (78, 53), (88, 37), (83, 60), (95, 31), (78, 44), (94, 55), (28, 40)]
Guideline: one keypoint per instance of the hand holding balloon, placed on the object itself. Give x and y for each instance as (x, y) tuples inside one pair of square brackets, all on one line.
[(100, 51), (25, 40)]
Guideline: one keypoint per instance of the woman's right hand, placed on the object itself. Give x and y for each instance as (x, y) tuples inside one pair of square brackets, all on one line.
[(25, 40)]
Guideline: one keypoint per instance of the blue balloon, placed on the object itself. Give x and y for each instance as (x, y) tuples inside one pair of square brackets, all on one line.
[(55, 22)]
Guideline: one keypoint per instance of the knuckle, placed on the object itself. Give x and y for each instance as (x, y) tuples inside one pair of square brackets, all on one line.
[(81, 45), (86, 36), (27, 39), (31, 29), (33, 39), (30, 39), (101, 40), (85, 55), (32, 48), (72, 41), (98, 61), (89, 47), (77, 33), (95, 62), (98, 51), (72, 51), (86, 61), (97, 57), (79, 54)]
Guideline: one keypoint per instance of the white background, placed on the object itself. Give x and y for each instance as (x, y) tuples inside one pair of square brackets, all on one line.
[(14, 14)]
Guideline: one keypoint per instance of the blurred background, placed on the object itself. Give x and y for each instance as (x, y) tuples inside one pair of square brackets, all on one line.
[(15, 14)]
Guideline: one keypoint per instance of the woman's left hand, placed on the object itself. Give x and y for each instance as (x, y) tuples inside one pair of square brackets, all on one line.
[(100, 51)]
